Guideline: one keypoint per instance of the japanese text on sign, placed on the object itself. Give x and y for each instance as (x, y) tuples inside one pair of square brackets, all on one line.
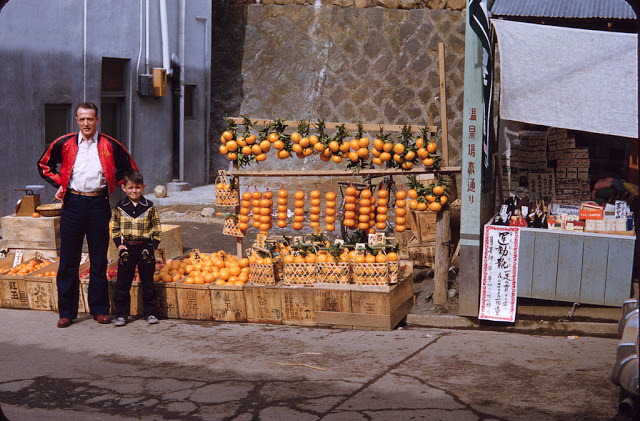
[(499, 273)]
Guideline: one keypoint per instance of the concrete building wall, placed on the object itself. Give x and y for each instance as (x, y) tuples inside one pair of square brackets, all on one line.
[(41, 49), (344, 64)]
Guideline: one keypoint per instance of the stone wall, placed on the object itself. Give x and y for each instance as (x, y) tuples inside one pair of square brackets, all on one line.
[(343, 64)]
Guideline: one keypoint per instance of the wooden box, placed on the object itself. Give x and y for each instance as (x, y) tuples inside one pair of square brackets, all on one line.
[(171, 243), (263, 304), (372, 308), (42, 291), (331, 299), (14, 287), (194, 301), (228, 303), (423, 225), (298, 305), (135, 308), (577, 267), (26, 232), (167, 300)]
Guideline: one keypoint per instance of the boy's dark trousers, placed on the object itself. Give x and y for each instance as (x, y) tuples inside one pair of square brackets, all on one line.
[(140, 255)]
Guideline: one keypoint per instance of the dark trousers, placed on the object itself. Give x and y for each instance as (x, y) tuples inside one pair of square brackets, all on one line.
[(83, 216), (127, 263)]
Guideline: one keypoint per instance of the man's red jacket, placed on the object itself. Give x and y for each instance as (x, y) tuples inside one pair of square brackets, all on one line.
[(114, 158)]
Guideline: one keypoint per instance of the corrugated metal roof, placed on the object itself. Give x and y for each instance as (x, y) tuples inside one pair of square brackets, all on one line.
[(580, 9)]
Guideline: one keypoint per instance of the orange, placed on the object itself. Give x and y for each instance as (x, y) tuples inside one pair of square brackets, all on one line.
[(336, 158), (310, 258), (410, 156), (186, 280), (385, 156), (422, 206), (220, 282), (438, 190), (378, 144), (283, 154), (392, 256), (295, 137), (387, 147), (223, 150), (443, 200), (370, 258), (362, 153), (366, 194), (377, 161), (419, 142), (432, 147), (354, 144), (344, 147), (256, 149), (198, 279), (423, 153), (435, 206), (224, 274), (265, 145), (353, 156), (398, 148), (299, 195), (407, 165), (261, 157), (363, 142), (35, 215), (329, 227), (428, 162), (231, 146), (360, 258), (273, 137), (314, 194), (297, 225), (251, 139), (412, 193), (401, 203), (330, 196), (279, 145), (227, 135), (304, 142), (401, 194)]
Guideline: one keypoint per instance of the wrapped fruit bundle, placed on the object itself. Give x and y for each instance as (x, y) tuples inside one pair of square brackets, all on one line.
[(283, 196), (371, 267), (382, 209), (333, 265), (401, 204), (330, 211), (314, 210), (262, 271), (364, 210), (255, 203), (298, 209), (245, 211), (351, 208), (300, 267), (266, 212)]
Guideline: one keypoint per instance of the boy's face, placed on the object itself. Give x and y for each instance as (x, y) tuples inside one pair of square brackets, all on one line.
[(133, 190)]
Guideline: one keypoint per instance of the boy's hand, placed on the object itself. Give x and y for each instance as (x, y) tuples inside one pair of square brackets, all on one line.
[(122, 249)]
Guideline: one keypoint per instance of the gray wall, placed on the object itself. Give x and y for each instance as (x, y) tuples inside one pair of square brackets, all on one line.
[(343, 64), (41, 46)]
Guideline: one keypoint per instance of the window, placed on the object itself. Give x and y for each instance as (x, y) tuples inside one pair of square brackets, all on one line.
[(190, 102), (113, 110), (57, 121)]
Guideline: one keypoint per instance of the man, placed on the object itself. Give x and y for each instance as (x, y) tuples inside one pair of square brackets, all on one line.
[(91, 165)]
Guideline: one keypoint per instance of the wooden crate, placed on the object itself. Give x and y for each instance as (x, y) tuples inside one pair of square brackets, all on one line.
[(167, 300), (26, 232), (135, 308), (374, 308), (42, 291), (422, 255), (330, 299), (263, 304), (298, 305), (13, 287), (228, 303), (423, 225), (194, 301), (171, 243)]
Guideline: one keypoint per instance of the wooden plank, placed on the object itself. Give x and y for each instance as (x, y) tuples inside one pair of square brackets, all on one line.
[(545, 265), (171, 243), (371, 128), (40, 293), (525, 262), (297, 306), (441, 267), (570, 255), (353, 320), (619, 272), (14, 292), (194, 301), (443, 104), (25, 232), (335, 300), (343, 173), (166, 300), (228, 303), (594, 270), (263, 304), (365, 302)]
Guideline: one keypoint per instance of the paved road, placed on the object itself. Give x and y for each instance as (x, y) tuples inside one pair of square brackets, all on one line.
[(206, 370)]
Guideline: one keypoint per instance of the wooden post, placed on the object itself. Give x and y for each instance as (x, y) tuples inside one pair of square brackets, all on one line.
[(443, 106), (239, 248), (441, 270)]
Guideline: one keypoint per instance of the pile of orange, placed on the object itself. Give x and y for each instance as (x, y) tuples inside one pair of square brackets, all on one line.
[(27, 267), (219, 268), (49, 273)]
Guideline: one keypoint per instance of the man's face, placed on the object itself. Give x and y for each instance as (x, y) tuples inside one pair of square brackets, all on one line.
[(87, 121), (133, 190)]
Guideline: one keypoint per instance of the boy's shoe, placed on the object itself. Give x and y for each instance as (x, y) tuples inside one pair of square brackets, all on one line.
[(120, 321), (152, 320)]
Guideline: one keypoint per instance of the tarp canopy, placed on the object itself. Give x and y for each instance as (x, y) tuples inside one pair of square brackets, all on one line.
[(571, 78)]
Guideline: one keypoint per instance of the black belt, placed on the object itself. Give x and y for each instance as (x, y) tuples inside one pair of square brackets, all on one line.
[(90, 194), (135, 243)]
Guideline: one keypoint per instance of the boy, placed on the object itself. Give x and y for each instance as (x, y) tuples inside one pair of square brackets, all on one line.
[(135, 229)]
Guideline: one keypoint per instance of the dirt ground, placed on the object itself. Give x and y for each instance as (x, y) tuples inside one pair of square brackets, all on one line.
[(205, 234)]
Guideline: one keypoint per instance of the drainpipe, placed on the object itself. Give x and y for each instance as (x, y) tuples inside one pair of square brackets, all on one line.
[(134, 81), (146, 38), (165, 36), (181, 57), (84, 53), (207, 94)]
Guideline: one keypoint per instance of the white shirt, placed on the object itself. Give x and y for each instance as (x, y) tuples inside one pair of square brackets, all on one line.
[(87, 174)]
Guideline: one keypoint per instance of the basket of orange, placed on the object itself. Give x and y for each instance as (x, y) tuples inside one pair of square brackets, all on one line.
[(300, 265), (27, 267), (261, 268), (370, 266), (226, 191), (231, 227), (333, 265)]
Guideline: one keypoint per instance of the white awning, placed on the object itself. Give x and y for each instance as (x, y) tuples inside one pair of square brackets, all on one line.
[(571, 78)]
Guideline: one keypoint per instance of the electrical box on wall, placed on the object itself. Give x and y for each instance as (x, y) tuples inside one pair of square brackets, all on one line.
[(159, 82), (145, 85)]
